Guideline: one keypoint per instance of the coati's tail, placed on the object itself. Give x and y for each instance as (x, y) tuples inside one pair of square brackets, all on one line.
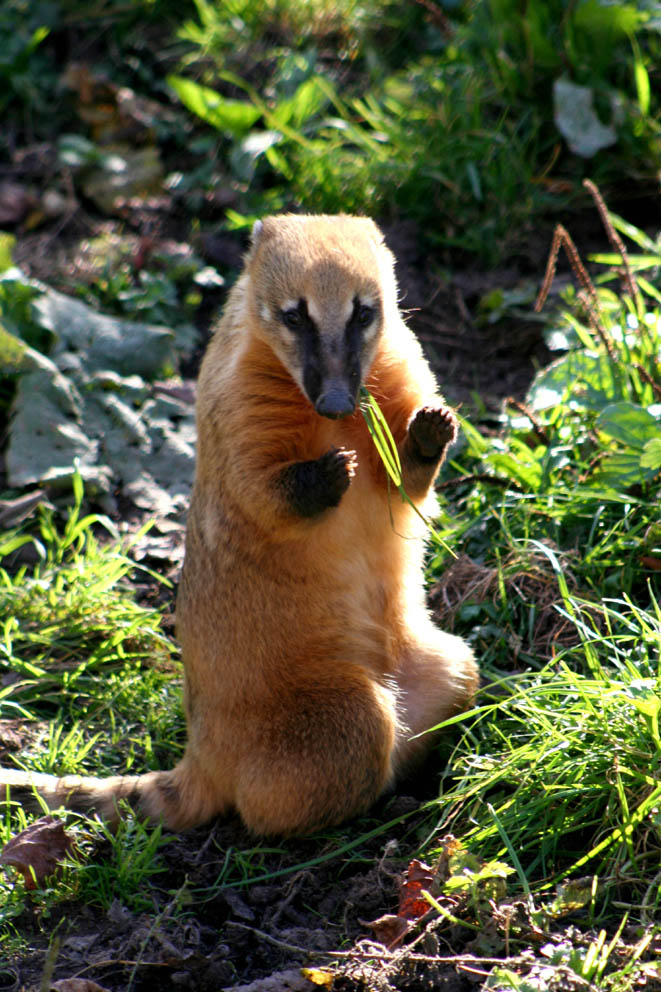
[(175, 798)]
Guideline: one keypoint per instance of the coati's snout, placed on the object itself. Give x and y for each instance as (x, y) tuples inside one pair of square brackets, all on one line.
[(332, 354), (336, 402)]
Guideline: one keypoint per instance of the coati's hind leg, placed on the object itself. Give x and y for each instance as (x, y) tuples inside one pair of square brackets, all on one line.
[(437, 678), (181, 798), (323, 753)]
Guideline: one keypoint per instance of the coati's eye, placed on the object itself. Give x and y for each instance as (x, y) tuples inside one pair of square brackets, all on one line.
[(364, 315), (292, 319)]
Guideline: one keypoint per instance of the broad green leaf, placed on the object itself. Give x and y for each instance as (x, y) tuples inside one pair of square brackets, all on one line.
[(527, 474), (574, 894), (651, 456), (307, 101), (244, 155), (75, 151), (604, 21), (644, 697), (621, 470), (630, 424), (234, 116), (582, 379)]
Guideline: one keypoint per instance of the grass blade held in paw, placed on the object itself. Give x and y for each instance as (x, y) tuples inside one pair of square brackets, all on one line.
[(382, 437)]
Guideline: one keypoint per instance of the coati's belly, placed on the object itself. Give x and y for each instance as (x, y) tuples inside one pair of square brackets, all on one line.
[(333, 592)]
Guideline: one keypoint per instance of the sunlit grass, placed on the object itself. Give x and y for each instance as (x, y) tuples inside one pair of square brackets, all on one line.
[(81, 658)]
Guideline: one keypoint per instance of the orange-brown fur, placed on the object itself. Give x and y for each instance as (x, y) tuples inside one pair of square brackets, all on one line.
[(310, 659)]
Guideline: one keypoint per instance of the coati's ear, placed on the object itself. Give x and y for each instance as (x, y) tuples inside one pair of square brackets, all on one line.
[(263, 229)]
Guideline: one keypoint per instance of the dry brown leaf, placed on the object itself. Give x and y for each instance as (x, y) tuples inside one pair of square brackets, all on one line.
[(390, 930), (38, 850), (323, 977), (412, 904)]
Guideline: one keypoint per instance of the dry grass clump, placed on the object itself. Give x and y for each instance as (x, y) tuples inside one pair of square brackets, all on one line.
[(525, 590)]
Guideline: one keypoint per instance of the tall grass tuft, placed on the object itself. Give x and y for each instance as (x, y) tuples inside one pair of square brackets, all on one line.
[(79, 655), (557, 585)]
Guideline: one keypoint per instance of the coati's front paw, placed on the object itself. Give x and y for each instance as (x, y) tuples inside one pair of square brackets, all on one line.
[(431, 431), (314, 486)]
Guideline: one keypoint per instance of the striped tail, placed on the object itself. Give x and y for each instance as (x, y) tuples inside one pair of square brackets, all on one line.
[(176, 798)]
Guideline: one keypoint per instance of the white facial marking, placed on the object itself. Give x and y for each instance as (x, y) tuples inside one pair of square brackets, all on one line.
[(314, 311), (348, 310), (265, 313), (289, 305), (369, 331)]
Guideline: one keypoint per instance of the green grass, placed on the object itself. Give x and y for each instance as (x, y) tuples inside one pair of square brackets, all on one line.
[(90, 666), (564, 769), (92, 679), (557, 770), (447, 119), (552, 780), (441, 114)]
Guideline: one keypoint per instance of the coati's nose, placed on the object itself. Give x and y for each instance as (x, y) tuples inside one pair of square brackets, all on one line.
[(335, 402)]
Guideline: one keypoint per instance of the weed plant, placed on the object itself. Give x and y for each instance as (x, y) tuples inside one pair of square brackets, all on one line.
[(557, 771), (451, 135)]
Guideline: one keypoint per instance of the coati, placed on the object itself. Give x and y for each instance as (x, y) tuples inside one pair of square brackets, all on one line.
[(311, 663)]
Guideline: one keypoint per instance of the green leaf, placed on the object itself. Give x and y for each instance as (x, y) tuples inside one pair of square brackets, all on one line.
[(76, 151), (7, 242), (651, 456), (642, 82), (233, 116), (307, 101), (527, 475), (644, 697), (582, 379), (572, 895), (12, 352), (244, 155), (620, 470), (630, 424)]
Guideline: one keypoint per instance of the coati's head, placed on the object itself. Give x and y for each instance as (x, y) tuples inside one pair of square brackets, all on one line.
[(319, 289)]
